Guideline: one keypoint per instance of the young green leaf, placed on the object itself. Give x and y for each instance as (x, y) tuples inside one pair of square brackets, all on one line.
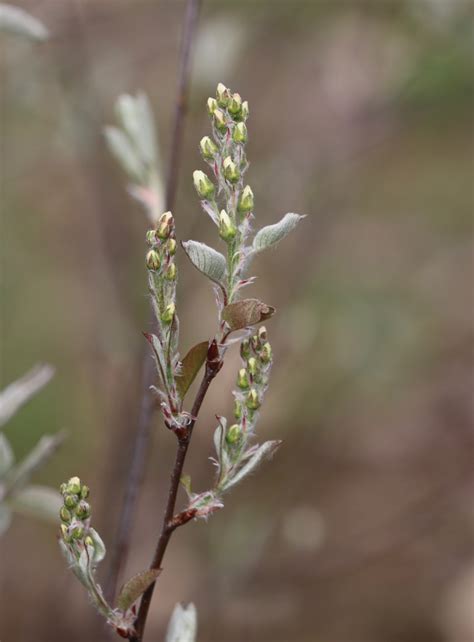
[(242, 314), (207, 260), (135, 587), (273, 234), (190, 366)]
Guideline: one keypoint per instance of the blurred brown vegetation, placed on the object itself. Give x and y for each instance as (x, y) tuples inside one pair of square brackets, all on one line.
[(362, 528)]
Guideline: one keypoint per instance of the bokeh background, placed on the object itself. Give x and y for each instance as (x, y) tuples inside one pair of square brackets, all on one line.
[(362, 527)]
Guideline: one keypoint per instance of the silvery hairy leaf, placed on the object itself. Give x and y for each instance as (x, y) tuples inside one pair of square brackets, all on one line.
[(17, 21), (21, 390), (135, 116), (37, 501), (125, 153), (264, 451), (99, 546), (207, 260), (6, 455), (183, 624), (273, 234), (134, 587), (45, 447)]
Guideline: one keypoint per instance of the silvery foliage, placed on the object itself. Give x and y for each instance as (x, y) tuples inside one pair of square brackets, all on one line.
[(183, 624), (16, 493), (17, 21), (134, 145)]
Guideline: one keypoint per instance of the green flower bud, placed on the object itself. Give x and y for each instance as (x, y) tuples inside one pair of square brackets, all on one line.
[(227, 229), (237, 409), (71, 500), (235, 105), (222, 95), (245, 110), (65, 533), (234, 434), (64, 514), (151, 237), (245, 349), (203, 185), (211, 105), (74, 485), (83, 510), (231, 172), (208, 148), (171, 271), (85, 492), (77, 532), (88, 541), (262, 334), (266, 354), (219, 120), (171, 247), (239, 135), (246, 200), (252, 366), (253, 402), (168, 314), (165, 225), (243, 379), (153, 261)]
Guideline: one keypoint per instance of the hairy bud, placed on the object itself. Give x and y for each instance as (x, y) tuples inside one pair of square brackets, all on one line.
[(204, 187), (227, 229), (253, 402), (235, 105), (246, 200), (231, 172), (171, 271), (168, 313), (208, 148), (153, 261), (222, 95), (239, 135), (211, 105), (243, 379), (234, 434)]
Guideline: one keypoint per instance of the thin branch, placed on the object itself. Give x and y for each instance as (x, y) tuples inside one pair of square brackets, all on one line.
[(170, 524), (147, 406)]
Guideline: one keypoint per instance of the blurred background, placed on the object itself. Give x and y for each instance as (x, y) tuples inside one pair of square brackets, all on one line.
[(362, 527)]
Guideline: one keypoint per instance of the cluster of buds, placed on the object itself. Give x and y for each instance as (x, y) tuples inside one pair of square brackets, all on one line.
[(161, 264), (252, 381), (224, 152), (75, 512)]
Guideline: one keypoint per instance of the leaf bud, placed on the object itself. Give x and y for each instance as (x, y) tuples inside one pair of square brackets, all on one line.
[(266, 354), (73, 485), (83, 510), (246, 201), (151, 237), (252, 366), (234, 434), (245, 349), (64, 514), (203, 185), (153, 261), (208, 148), (171, 247), (235, 105), (243, 379), (231, 172), (77, 532), (168, 313), (239, 135), (219, 120), (222, 95), (70, 501), (227, 229), (253, 402), (171, 272), (211, 105)]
